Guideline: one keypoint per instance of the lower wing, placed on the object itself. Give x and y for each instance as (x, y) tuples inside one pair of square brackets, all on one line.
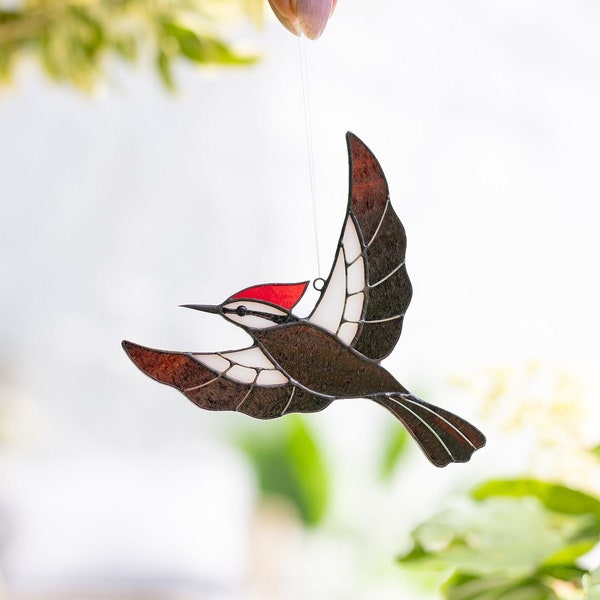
[(226, 387)]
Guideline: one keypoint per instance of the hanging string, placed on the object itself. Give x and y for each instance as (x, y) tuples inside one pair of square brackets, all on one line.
[(309, 146)]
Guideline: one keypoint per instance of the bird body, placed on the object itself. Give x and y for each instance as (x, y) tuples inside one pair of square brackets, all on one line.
[(303, 364), (333, 370)]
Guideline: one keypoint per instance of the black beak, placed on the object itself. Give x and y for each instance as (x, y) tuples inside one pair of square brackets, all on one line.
[(216, 310)]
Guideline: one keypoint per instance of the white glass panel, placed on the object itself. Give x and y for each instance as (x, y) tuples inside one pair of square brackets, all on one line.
[(271, 377), (249, 320), (350, 241), (356, 276), (347, 332), (252, 321), (241, 374), (328, 313), (250, 357), (213, 361), (259, 306), (354, 306)]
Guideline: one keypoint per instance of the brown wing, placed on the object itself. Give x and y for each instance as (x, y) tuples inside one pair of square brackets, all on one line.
[(215, 389), (368, 290)]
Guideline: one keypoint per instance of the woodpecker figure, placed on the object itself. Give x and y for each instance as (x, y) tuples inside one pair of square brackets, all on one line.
[(303, 364)]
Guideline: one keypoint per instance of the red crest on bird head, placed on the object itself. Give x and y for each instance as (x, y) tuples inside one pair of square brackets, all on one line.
[(285, 295)]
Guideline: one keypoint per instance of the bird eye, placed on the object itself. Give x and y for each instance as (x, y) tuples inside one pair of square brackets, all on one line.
[(241, 311)]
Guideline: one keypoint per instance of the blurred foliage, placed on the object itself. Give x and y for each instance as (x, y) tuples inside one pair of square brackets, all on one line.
[(544, 400), (72, 39), (514, 539), (554, 497), (289, 464), (550, 406), (394, 451), (591, 585)]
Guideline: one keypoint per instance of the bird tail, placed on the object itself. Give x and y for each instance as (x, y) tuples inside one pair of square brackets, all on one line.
[(443, 436)]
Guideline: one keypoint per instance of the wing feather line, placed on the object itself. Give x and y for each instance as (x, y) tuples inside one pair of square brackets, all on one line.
[(197, 387), (250, 390), (383, 320), (421, 420), (387, 204), (392, 272), (289, 401), (407, 398)]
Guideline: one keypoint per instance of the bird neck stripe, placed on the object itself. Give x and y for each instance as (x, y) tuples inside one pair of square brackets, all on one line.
[(279, 319)]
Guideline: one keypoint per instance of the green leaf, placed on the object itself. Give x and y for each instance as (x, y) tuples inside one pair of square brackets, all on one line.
[(512, 544), (468, 587), (596, 451), (591, 585), (417, 555), (5, 63), (569, 573), (508, 536), (567, 555), (72, 39), (126, 47), (203, 49), (289, 464), (88, 35), (394, 451), (553, 496), (164, 69)]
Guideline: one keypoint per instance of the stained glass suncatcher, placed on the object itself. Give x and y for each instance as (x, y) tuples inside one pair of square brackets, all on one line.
[(298, 364)]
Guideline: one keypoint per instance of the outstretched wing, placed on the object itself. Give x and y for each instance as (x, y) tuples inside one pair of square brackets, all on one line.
[(242, 380), (366, 295)]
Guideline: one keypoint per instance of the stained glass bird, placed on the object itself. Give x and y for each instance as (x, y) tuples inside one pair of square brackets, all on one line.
[(300, 364)]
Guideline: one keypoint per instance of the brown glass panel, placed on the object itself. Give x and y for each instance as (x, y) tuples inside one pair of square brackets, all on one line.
[(443, 436), (266, 403), (369, 190), (271, 402), (389, 298), (377, 340), (379, 227), (388, 248), (322, 364), (172, 368), (304, 402), (423, 435), (220, 394)]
